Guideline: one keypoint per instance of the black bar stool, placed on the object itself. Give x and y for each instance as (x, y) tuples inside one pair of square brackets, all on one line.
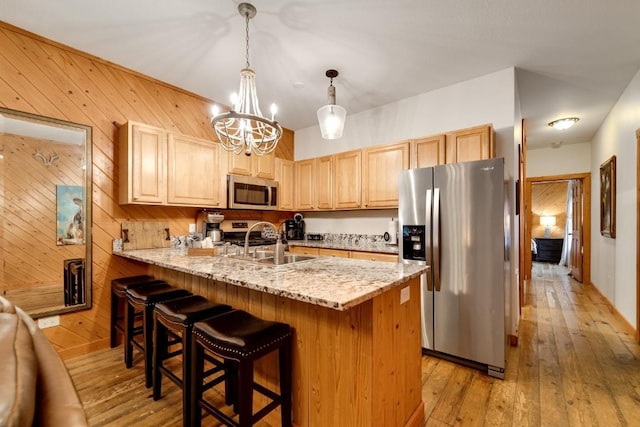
[(143, 299), (118, 288), (176, 318), (240, 338)]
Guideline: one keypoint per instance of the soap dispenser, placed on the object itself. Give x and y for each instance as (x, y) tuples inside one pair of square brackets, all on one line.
[(278, 253)]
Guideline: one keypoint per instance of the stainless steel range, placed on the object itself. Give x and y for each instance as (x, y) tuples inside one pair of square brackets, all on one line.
[(236, 230)]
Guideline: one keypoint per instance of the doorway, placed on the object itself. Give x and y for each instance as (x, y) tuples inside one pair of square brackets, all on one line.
[(579, 258)]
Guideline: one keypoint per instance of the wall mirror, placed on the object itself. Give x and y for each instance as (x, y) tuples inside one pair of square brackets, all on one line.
[(45, 206)]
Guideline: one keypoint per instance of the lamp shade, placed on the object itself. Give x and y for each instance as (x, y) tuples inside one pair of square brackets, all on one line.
[(331, 119), (548, 220)]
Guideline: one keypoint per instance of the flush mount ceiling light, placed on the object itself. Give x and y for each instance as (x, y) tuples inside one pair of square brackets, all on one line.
[(331, 117), (244, 129), (563, 124)]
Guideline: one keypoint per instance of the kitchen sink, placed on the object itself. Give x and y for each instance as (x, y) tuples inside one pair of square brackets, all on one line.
[(266, 257)]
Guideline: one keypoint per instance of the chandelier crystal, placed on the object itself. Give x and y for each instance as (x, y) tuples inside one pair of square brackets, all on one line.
[(244, 128)]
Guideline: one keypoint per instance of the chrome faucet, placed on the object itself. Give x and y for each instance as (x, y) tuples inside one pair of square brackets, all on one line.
[(246, 237)]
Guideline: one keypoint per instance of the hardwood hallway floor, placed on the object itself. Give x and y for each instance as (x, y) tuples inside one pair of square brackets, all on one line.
[(577, 364)]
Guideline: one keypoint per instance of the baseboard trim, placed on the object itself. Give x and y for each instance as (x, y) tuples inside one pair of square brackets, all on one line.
[(614, 309), (417, 417)]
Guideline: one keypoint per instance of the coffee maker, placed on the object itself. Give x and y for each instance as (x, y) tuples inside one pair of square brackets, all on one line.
[(211, 226), (294, 228)]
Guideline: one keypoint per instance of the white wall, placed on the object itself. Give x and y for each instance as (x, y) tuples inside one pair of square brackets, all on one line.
[(613, 261), (487, 99), (567, 159)]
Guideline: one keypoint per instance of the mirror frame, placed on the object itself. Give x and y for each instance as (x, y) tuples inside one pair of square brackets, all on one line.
[(87, 205)]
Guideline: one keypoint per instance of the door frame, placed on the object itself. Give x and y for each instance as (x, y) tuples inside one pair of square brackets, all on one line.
[(586, 220), (638, 235)]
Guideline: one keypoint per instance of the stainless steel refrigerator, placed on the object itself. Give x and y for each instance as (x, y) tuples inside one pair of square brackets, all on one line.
[(451, 217)]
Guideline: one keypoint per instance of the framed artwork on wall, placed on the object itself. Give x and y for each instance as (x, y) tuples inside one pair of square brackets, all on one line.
[(69, 216), (608, 198)]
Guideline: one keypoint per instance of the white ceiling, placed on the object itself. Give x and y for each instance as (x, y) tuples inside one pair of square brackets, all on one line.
[(573, 57)]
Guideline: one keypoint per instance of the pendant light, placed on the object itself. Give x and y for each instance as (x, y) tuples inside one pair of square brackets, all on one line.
[(331, 117), (244, 129)]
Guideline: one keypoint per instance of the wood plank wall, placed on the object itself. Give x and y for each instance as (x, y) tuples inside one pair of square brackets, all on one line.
[(43, 77)]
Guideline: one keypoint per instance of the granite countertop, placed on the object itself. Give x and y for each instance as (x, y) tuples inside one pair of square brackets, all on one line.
[(347, 245), (337, 283)]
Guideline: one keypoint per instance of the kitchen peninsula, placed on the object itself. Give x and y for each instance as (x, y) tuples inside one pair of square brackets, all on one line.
[(357, 354)]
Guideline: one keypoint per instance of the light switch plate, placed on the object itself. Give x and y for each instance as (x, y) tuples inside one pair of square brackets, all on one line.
[(48, 322), (404, 295)]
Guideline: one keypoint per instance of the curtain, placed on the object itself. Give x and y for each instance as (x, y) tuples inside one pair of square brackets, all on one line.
[(566, 243)]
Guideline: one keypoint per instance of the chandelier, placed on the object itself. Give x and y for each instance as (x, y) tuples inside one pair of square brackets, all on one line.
[(244, 129), (331, 117)]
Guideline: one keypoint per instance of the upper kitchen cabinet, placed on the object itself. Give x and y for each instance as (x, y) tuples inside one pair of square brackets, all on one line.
[(305, 189), (286, 181), (381, 164), (324, 182), (347, 179), (142, 164), (253, 165), (470, 144), (428, 151), (162, 168), (193, 174)]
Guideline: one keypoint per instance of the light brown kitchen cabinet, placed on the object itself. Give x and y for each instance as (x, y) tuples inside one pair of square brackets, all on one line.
[(428, 151), (193, 173), (374, 256), (303, 250), (253, 165), (305, 189), (336, 253), (165, 168), (286, 184), (142, 164), (381, 164), (324, 183), (347, 179), (470, 144)]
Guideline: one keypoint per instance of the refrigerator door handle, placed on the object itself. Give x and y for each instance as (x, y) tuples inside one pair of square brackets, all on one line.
[(429, 207), (435, 226)]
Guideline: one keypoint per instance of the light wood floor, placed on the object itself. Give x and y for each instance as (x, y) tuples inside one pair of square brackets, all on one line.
[(576, 364)]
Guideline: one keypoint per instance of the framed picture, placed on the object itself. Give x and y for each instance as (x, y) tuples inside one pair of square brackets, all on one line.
[(608, 198), (70, 221)]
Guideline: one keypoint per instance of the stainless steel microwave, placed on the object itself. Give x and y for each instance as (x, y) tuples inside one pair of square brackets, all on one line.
[(248, 192)]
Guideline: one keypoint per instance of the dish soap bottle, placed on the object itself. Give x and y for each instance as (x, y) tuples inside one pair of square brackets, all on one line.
[(278, 253)]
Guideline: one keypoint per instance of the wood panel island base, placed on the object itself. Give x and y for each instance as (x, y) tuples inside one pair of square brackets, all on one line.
[(356, 359)]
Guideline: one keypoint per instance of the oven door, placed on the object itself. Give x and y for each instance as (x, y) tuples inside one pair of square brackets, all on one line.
[(245, 192)]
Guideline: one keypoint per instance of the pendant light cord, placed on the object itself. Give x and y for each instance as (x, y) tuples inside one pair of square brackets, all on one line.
[(246, 16)]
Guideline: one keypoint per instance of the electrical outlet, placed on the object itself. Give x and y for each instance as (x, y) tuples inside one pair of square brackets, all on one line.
[(192, 228), (404, 295), (48, 322)]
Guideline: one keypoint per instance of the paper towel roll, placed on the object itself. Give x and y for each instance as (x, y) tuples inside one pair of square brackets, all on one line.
[(393, 231)]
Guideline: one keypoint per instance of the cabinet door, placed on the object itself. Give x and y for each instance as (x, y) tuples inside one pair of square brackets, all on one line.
[(347, 180), (427, 151), (470, 144), (264, 166), (284, 176), (336, 253), (305, 178), (381, 167), (253, 165), (193, 174), (241, 164), (324, 182), (142, 160), (374, 256), (303, 250)]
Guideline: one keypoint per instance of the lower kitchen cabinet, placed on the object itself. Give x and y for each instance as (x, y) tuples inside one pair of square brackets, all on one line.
[(339, 253)]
